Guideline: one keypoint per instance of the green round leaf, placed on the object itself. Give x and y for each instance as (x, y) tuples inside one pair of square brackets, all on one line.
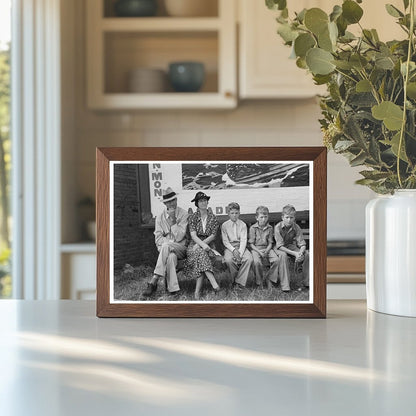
[(368, 36), (358, 61), (333, 32), (363, 86), (319, 61), (276, 4), (287, 33), (391, 114), (393, 11), (336, 12), (375, 35), (303, 43), (325, 42), (316, 20), (342, 25), (322, 79), (344, 65), (384, 62), (395, 144), (412, 67), (301, 63), (351, 11), (301, 15), (411, 90), (347, 37)]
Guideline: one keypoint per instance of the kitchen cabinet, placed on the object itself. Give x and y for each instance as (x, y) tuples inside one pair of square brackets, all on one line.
[(78, 262), (118, 45), (265, 70)]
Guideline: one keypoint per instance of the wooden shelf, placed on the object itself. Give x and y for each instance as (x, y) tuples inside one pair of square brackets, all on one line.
[(160, 24), (196, 100), (345, 269), (346, 264), (80, 247)]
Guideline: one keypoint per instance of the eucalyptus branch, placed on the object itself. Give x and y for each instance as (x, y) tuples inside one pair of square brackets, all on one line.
[(369, 40), (404, 28), (358, 45), (397, 95), (405, 81), (361, 59), (373, 88), (392, 91), (346, 75)]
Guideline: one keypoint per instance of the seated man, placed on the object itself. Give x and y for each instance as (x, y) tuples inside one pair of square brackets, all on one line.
[(170, 239)]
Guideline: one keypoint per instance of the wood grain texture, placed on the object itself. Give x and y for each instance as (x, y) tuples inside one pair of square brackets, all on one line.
[(346, 264), (319, 229), (317, 309), (103, 231)]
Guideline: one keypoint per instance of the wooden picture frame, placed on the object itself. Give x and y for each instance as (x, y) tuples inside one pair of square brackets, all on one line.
[(138, 215)]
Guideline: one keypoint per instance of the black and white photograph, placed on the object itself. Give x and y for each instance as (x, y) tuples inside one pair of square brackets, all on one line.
[(200, 232)]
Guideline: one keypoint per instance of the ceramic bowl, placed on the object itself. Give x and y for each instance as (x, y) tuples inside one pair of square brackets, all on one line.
[(135, 8), (186, 76)]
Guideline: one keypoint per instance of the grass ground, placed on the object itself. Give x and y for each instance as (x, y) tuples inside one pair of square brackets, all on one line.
[(130, 283)]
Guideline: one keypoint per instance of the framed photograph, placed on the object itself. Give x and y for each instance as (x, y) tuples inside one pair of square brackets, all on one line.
[(211, 232)]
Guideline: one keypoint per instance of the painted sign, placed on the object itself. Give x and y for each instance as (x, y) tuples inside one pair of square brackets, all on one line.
[(250, 184)]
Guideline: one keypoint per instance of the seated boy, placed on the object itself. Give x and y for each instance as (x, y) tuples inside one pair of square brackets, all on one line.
[(234, 238), (261, 241), (290, 242)]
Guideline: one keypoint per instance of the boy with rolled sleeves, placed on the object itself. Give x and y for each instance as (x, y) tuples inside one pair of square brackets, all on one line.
[(234, 238), (261, 242), (290, 242)]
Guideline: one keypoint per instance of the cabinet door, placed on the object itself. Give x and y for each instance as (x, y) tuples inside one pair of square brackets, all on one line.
[(78, 276), (265, 68)]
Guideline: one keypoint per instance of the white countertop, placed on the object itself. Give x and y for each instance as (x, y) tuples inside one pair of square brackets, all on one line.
[(57, 358)]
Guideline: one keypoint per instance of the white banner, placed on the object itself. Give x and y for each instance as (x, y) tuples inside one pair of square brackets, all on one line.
[(250, 184)]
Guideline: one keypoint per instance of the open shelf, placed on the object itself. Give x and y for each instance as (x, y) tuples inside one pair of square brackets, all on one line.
[(126, 51), (118, 45)]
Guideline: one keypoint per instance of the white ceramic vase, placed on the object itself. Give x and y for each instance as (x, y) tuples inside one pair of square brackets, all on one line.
[(391, 253)]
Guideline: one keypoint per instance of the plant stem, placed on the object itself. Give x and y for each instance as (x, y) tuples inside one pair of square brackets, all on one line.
[(405, 81), (373, 88), (346, 75)]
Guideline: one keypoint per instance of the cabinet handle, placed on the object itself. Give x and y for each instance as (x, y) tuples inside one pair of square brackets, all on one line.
[(229, 94)]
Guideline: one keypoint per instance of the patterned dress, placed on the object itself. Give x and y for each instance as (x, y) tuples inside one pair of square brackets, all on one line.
[(198, 261)]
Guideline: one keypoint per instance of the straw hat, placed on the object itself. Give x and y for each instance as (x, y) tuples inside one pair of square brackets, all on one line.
[(168, 194)]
